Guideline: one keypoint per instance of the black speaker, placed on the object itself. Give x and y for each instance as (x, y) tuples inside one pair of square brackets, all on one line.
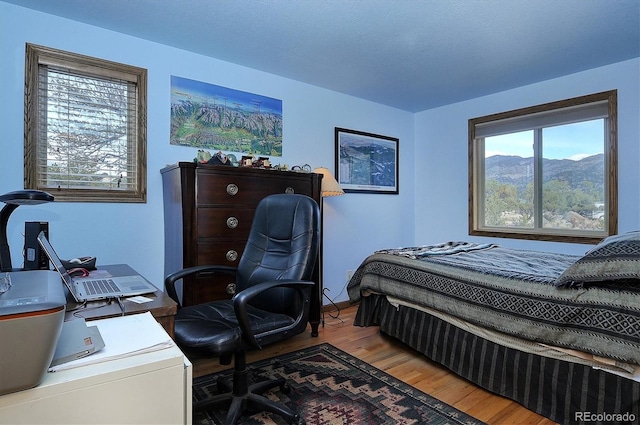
[(34, 256)]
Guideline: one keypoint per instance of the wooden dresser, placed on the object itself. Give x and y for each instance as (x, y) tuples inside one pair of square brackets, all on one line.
[(208, 211)]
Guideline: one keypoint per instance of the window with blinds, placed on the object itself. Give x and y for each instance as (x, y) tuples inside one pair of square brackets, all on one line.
[(84, 127), (546, 172)]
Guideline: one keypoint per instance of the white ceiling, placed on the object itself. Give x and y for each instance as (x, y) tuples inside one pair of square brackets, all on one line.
[(409, 54)]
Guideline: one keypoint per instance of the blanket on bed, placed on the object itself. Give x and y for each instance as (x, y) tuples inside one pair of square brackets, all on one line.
[(534, 266), (446, 248), (511, 291)]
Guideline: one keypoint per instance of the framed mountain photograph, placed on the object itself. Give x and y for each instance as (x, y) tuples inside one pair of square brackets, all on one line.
[(365, 162)]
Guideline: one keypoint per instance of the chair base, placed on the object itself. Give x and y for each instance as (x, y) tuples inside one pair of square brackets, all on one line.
[(241, 397)]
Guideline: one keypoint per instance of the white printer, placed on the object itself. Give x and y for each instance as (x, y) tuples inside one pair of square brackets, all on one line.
[(31, 315)]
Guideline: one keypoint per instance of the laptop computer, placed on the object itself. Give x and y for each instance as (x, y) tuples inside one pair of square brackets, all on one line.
[(92, 288), (77, 340)]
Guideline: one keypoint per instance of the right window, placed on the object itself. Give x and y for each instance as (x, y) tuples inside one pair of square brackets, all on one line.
[(546, 172)]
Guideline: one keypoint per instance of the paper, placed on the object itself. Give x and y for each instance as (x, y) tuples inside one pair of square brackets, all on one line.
[(139, 299), (124, 336)]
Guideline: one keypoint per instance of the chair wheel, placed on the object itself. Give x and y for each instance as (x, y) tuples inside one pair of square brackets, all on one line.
[(285, 388), (298, 420)]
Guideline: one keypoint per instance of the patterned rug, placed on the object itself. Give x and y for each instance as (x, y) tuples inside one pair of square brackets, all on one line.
[(329, 386)]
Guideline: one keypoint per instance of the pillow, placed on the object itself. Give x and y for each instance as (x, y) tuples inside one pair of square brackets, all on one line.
[(616, 258)]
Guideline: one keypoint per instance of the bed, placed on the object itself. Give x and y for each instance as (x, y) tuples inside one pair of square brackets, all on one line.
[(558, 333)]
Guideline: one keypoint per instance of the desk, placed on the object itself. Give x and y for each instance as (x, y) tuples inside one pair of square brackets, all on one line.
[(149, 388), (161, 307)]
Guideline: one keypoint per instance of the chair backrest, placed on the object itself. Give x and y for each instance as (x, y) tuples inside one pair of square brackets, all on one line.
[(283, 243)]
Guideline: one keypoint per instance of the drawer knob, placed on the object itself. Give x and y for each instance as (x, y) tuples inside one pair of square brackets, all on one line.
[(289, 190), (232, 222), (231, 289), (232, 189), (232, 255)]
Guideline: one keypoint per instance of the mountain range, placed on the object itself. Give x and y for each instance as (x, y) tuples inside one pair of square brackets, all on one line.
[(518, 171)]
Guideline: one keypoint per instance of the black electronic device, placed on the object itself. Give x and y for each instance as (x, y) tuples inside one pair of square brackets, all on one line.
[(34, 256)]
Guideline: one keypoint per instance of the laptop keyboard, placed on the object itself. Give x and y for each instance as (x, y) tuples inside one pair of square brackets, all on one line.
[(100, 286)]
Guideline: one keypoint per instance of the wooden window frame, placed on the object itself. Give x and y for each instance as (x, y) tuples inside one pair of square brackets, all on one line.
[(35, 150), (476, 174)]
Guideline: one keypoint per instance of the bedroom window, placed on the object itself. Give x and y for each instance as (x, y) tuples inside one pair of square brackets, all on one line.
[(546, 172), (85, 127)]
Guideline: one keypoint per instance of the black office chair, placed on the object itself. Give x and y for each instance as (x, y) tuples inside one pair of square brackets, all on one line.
[(271, 302)]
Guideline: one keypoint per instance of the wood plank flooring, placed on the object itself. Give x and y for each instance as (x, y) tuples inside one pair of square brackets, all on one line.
[(402, 362)]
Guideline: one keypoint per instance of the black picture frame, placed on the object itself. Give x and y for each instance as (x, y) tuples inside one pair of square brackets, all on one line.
[(367, 162)]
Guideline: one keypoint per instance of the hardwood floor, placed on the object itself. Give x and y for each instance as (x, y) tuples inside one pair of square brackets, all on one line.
[(402, 362)]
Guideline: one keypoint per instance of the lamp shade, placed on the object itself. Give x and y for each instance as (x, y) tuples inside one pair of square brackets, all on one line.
[(26, 197), (13, 200), (330, 187)]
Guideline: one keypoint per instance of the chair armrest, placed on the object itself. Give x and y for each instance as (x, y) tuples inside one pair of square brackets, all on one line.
[(171, 279), (240, 300)]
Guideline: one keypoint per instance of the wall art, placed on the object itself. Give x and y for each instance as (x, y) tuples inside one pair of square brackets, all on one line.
[(207, 116), (365, 162)]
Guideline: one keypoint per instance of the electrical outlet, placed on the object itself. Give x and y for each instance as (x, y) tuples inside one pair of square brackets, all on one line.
[(349, 275)]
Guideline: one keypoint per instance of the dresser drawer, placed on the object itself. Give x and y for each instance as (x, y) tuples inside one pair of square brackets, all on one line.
[(224, 223), (207, 287), (301, 186), (226, 189), (224, 253), (238, 188)]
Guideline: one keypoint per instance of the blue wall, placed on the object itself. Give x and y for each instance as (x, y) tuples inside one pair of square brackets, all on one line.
[(442, 152), (133, 233), (431, 207)]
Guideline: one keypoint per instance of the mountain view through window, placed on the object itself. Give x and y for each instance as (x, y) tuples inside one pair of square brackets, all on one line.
[(546, 172), (572, 178)]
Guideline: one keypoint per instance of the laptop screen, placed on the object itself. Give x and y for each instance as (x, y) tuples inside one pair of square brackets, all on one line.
[(55, 260)]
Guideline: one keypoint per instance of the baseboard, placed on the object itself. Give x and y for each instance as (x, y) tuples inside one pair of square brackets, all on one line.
[(337, 306)]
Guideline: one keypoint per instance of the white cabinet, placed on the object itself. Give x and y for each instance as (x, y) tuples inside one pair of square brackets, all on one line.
[(149, 388)]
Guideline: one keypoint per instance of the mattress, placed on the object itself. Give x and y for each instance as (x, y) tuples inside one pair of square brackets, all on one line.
[(512, 292)]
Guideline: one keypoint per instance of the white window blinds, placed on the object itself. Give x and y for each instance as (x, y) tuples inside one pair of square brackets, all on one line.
[(543, 119), (87, 131)]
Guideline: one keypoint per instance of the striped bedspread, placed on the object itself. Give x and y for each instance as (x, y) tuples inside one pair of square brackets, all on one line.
[(511, 291)]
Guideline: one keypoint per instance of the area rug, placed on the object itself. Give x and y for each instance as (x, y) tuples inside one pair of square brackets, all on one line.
[(329, 386)]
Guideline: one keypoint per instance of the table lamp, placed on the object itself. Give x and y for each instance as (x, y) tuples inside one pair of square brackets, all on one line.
[(13, 200), (329, 187)]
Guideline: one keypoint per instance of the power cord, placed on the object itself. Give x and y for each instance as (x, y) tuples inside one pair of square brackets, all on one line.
[(336, 308), (83, 307), (121, 304)]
